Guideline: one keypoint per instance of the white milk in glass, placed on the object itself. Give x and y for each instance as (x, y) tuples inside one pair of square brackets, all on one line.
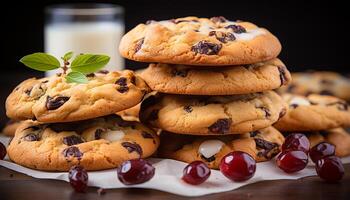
[(85, 37)]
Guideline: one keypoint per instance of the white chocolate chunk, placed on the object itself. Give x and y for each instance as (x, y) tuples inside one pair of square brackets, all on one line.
[(299, 101), (209, 148), (113, 135)]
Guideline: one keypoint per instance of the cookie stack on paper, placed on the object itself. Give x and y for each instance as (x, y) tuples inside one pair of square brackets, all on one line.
[(66, 124), (214, 79)]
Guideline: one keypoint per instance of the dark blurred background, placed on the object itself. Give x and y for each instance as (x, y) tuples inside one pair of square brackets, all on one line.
[(314, 34)]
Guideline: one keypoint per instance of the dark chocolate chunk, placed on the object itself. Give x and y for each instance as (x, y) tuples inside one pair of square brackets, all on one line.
[(123, 89), (52, 103), (46, 81), (31, 137), (221, 126), (103, 71), (326, 92), (139, 44), (27, 91), (283, 77), (222, 37), (98, 133), (181, 73), (122, 81), (211, 159), (146, 135), (131, 147), (236, 28), (293, 105), (91, 75), (291, 87), (72, 151), (218, 19), (188, 109), (205, 47), (269, 149), (254, 133), (263, 144), (133, 80), (72, 140), (266, 110)]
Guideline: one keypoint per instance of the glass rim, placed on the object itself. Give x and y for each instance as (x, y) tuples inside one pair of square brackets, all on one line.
[(84, 9)]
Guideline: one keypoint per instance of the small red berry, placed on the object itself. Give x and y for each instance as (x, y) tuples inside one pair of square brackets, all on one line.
[(135, 171), (2, 151), (196, 173), (296, 142), (292, 161), (321, 150), (330, 169), (238, 166), (78, 178)]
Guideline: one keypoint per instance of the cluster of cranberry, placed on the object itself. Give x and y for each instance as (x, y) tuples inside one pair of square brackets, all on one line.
[(236, 166)]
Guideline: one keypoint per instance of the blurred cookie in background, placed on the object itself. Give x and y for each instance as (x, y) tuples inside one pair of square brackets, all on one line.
[(319, 82), (11, 127)]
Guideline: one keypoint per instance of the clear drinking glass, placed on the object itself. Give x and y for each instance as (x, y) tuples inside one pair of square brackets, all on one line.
[(85, 28)]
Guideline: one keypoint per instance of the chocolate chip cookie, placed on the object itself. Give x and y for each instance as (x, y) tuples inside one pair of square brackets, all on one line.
[(244, 79), (339, 137), (212, 115), (319, 82), (54, 100), (314, 112), (11, 127), (262, 145), (199, 41), (95, 144)]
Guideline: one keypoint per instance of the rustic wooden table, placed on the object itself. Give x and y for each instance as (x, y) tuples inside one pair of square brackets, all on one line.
[(17, 186)]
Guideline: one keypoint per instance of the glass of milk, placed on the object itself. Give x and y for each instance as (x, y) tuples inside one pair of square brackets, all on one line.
[(85, 28)]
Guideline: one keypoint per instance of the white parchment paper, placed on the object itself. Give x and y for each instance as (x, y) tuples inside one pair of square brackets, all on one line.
[(168, 176)]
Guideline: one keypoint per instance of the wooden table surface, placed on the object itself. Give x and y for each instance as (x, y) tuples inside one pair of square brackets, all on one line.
[(18, 186)]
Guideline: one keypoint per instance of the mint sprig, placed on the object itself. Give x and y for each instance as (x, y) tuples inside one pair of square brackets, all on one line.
[(80, 66)]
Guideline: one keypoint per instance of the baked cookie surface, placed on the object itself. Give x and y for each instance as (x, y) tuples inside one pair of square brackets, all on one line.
[(199, 41), (96, 144), (314, 112), (54, 100), (212, 115), (319, 82), (245, 79), (262, 145)]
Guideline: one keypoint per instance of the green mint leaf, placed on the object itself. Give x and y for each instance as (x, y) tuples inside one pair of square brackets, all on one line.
[(67, 56), (76, 77), (40, 61), (88, 63)]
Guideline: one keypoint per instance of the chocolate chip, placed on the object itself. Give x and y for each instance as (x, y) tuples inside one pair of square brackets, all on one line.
[(176, 72), (146, 135), (72, 151), (52, 103), (266, 110), (221, 126), (291, 87), (205, 47), (27, 91), (131, 147), (283, 112), (90, 75), (139, 44), (326, 92), (153, 115), (133, 80), (123, 89), (31, 137), (72, 140), (103, 71), (122, 81), (293, 105), (263, 144), (188, 109), (269, 149), (98, 133), (340, 105), (283, 77), (211, 159), (236, 28), (218, 19), (254, 133), (222, 37), (46, 81)]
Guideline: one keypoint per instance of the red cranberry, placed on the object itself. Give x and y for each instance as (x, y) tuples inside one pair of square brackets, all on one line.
[(78, 178), (238, 166), (135, 171), (292, 161), (196, 173), (2, 151), (330, 169), (321, 150), (296, 142)]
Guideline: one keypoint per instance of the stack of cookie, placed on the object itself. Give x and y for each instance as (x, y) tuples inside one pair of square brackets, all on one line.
[(67, 124), (214, 79), (321, 117)]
